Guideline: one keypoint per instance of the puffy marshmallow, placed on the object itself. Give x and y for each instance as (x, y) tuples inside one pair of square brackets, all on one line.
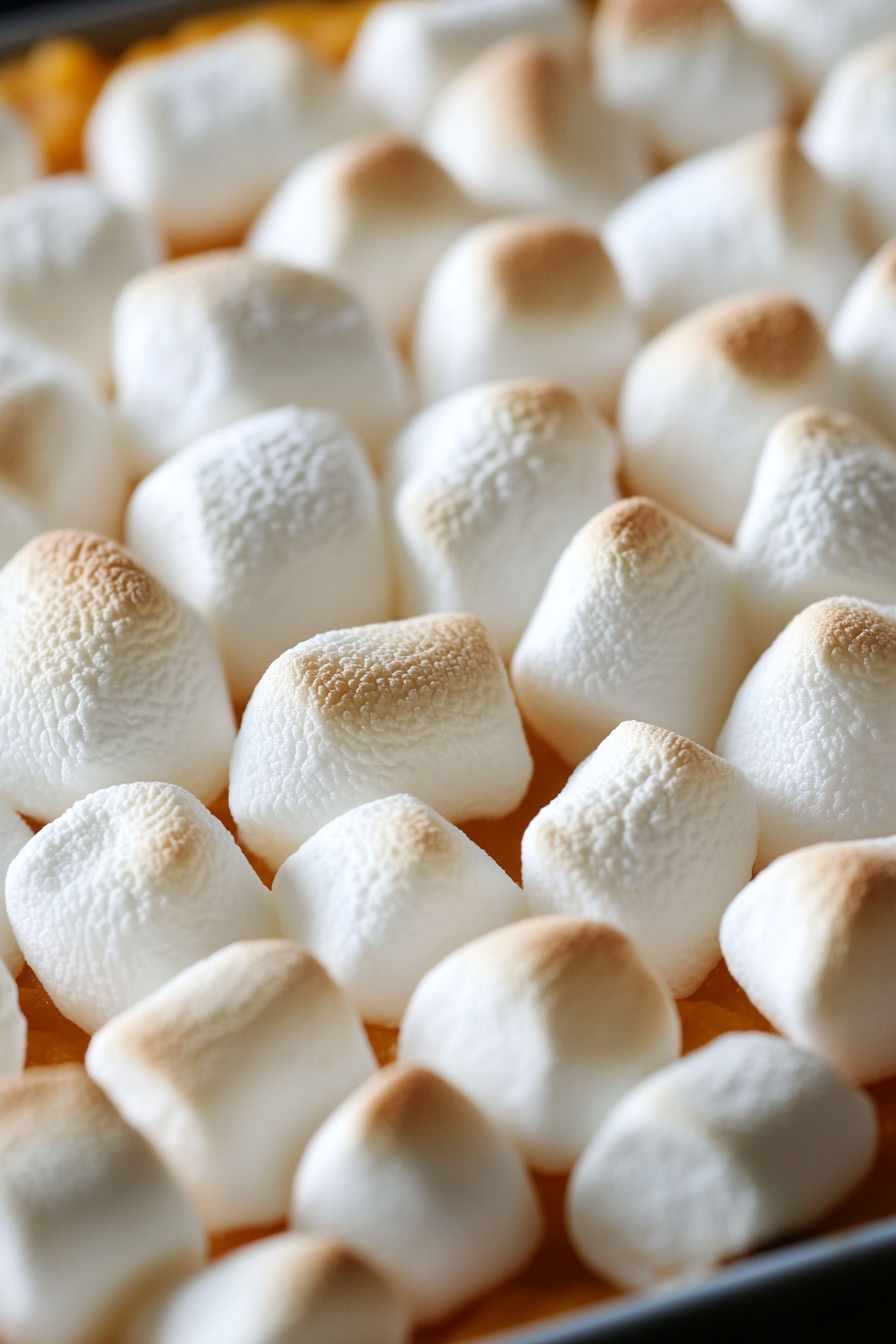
[(639, 619), (377, 212), (525, 297), (751, 215), (742, 1142), (13, 1026), (271, 529), (230, 1068), (382, 893), (863, 339), (487, 489), (128, 887), (421, 706), (205, 341), (413, 1177), (88, 1215), (21, 160), (653, 835), (813, 727), (700, 399), (105, 677), (14, 835), (66, 250)]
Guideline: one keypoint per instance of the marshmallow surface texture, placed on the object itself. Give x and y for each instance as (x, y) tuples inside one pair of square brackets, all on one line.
[(544, 1025), (124, 890), (653, 835), (382, 893), (863, 339), (205, 341), (88, 1214), (408, 1173), (745, 1141), (271, 529), (639, 620), (750, 215), (534, 297), (421, 706), (14, 835), (229, 1069), (487, 487), (13, 1027), (21, 160), (699, 400)]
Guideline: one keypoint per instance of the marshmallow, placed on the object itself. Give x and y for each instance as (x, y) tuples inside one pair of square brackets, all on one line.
[(205, 341), (742, 1142), (420, 706), (229, 1069), (525, 297), (639, 620), (14, 835), (21, 160), (699, 400), (127, 888), (406, 52), (684, 72), (863, 339), (751, 215), (104, 678), (382, 893), (487, 489), (66, 250), (271, 529), (813, 728), (377, 212), (88, 1215), (520, 129), (13, 1026), (408, 1173), (653, 835), (198, 138)]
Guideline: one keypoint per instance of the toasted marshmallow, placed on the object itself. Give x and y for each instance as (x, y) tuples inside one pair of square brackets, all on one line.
[(742, 1142), (230, 1068), (640, 620), (863, 339), (205, 341), (751, 215), (700, 399), (13, 1026), (525, 298), (14, 835), (88, 1215), (377, 212), (123, 679), (21, 160), (487, 489), (406, 52), (66, 250), (653, 835), (384, 892), (408, 1173), (271, 529), (813, 727), (420, 706), (198, 138)]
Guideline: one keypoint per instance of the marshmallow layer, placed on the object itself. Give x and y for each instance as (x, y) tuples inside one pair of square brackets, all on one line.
[(13, 1027), (21, 161), (14, 835), (863, 339)]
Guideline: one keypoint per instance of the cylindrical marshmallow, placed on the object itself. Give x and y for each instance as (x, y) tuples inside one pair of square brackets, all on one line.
[(13, 1027), (14, 835), (863, 339)]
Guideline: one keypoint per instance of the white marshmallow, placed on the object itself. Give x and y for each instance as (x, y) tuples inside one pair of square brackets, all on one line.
[(382, 893), (487, 489), (88, 1215), (21, 160), (699, 400), (13, 1027), (104, 678), (751, 215), (229, 1069), (198, 138), (420, 706), (654, 836), (413, 1177), (14, 835), (123, 891), (208, 340), (66, 250), (271, 529), (639, 620), (813, 728), (525, 298), (377, 212), (544, 1025), (742, 1142), (863, 339)]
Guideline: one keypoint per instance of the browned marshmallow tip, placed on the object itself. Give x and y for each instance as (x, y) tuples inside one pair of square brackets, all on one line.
[(414, 1178), (863, 339)]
